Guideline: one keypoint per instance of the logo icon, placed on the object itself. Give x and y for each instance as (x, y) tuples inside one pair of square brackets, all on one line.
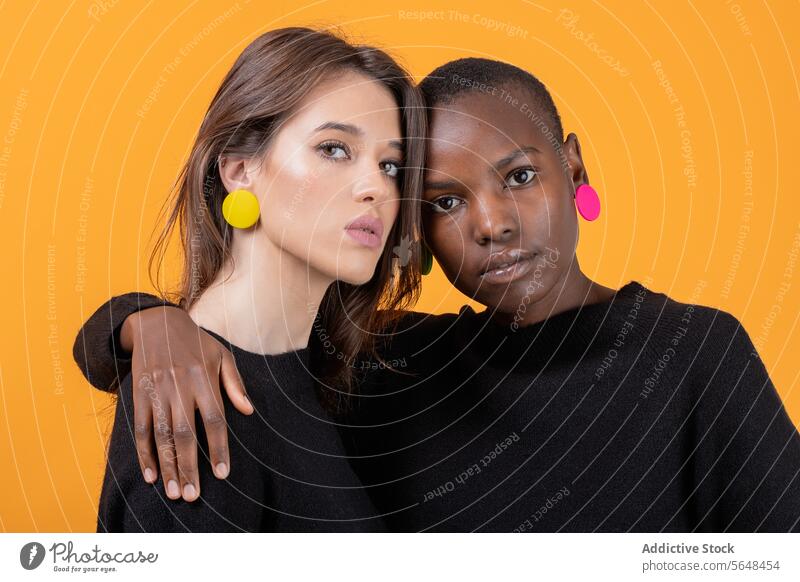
[(31, 555), (403, 250)]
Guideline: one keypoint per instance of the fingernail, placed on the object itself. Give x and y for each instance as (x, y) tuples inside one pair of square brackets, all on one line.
[(189, 491), (173, 490), (222, 470), (148, 475)]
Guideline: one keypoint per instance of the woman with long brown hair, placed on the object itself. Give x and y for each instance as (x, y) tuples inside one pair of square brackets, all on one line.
[(303, 178)]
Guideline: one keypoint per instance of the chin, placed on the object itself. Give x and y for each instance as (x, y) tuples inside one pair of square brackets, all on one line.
[(507, 304), (505, 298), (356, 274), (355, 279)]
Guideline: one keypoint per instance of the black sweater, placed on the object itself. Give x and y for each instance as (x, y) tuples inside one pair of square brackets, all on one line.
[(289, 470), (638, 414)]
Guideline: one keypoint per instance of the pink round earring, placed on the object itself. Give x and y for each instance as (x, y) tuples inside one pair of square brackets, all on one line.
[(587, 202)]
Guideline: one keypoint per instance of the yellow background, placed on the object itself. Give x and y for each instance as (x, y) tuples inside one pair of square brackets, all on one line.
[(694, 160)]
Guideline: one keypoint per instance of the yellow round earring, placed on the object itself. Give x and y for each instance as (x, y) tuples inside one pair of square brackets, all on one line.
[(240, 209)]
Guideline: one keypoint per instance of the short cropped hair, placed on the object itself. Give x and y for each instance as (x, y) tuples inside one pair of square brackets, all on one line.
[(451, 80)]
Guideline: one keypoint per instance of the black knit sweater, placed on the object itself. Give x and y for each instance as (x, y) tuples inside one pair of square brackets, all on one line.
[(289, 470), (637, 414)]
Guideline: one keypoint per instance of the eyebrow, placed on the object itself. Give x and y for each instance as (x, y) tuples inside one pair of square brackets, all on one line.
[(396, 145), (440, 185), (452, 184), (354, 130), (345, 127), (514, 155)]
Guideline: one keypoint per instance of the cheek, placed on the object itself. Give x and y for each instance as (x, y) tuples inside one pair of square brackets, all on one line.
[(391, 210), (552, 230), (548, 216), (565, 222), (294, 184), (300, 199), (447, 239)]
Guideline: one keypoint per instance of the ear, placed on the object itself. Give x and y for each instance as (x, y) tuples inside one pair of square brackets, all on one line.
[(236, 173), (575, 169)]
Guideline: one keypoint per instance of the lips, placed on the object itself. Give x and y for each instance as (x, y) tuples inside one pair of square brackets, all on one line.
[(503, 265), (368, 230)]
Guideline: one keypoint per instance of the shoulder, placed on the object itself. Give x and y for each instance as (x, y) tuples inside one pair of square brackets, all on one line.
[(703, 336), (712, 341), (699, 323), (710, 328)]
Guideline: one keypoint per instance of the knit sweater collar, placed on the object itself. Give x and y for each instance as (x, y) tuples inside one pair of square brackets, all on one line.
[(570, 333), (292, 363)]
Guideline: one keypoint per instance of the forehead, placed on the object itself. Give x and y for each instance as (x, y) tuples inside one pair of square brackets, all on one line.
[(484, 127), (350, 97)]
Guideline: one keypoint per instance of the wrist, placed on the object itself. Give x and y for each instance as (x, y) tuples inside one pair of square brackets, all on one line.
[(127, 332)]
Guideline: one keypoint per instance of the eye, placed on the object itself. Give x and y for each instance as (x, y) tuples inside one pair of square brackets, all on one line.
[(445, 203), (521, 177), (334, 150), (391, 169)]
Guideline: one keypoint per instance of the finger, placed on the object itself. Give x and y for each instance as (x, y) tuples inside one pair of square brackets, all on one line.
[(216, 429), (165, 447), (144, 397), (234, 387), (185, 437)]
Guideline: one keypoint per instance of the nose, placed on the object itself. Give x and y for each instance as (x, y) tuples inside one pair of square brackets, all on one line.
[(493, 219), (372, 186)]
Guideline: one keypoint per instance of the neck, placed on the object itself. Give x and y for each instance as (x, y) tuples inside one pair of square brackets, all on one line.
[(572, 290), (264, 300)]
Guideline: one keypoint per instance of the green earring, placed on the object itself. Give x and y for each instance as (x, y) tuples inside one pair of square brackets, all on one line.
[(426, 258)]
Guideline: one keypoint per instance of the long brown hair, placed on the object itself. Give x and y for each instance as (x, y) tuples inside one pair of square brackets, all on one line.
[(263, 88)]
